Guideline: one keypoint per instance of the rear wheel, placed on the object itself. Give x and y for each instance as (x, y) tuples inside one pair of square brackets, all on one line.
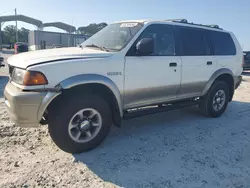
[(215, 102), (81, 124)]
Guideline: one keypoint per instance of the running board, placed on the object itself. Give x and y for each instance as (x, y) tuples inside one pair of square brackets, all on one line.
[(133, 113)]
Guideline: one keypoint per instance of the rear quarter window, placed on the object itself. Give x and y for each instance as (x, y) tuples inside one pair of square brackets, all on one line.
[(222, 43)]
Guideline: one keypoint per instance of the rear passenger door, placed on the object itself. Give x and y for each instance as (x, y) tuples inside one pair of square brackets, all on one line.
[(198, 63)]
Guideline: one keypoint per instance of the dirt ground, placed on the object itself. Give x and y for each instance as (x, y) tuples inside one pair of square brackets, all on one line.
[(179, 149)]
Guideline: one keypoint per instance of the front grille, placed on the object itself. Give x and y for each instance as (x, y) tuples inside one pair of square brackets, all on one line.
[(11, 68)]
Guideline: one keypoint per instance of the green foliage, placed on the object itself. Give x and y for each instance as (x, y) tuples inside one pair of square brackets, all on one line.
[(91, 28), (9, 34), (23, 35)]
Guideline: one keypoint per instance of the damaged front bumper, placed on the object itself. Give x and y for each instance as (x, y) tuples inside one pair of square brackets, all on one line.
[(26, 108)]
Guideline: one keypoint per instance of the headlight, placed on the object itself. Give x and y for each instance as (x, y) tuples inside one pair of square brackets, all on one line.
[(28, 78), (18, 75)]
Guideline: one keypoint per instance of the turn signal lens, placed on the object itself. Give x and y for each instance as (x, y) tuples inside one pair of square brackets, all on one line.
[(32, 78)]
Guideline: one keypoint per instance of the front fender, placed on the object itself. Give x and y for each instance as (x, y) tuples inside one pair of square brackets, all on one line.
[(213, 78), (94, 78)]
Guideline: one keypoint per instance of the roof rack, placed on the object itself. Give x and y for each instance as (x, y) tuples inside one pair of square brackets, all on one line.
[(178, 20), (186, 22)]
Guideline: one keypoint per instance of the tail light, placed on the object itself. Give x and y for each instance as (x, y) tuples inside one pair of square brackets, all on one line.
[(243, 61)]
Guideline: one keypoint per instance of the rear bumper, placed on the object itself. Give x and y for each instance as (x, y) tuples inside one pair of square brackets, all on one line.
[(26, 108), (246, 66), (237, 81), (1, 62)]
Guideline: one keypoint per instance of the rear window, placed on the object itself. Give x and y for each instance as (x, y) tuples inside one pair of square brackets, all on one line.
[(222, 43), (194, 42)]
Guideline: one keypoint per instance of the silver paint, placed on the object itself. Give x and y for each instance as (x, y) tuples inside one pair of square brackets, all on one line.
[(82, 127), (94, 78), (191, 88), (45, 102), (237, 80), (219, 100), (147, 96), (213, 78)]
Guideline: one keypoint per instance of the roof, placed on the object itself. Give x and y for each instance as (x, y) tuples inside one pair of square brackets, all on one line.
[(181, 22), (23, 18), (60, 25), (138, 21)]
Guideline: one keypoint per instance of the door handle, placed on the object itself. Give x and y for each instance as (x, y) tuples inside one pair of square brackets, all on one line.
[(172, 64), (209, 63)]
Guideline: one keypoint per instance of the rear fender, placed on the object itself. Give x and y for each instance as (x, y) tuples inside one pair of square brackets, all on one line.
[(214, 77)]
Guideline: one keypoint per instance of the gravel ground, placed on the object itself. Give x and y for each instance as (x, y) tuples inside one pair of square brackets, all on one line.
[(175, 149)]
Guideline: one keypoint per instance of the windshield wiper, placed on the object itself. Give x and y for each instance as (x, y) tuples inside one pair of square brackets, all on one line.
[(99, 47)]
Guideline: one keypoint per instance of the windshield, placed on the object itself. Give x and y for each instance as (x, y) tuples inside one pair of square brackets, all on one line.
[(113, 37)]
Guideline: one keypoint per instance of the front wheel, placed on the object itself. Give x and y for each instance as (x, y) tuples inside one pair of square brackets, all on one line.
[(81, 124), (216, 100)]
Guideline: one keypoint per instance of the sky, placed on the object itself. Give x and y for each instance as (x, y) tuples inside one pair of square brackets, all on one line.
[(230, 15)]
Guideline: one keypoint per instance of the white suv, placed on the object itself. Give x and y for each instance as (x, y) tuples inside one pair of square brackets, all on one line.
[(119, 73)]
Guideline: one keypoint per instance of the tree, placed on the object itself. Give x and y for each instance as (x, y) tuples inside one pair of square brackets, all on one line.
[(23, 35), (9, 34), (91, 28)]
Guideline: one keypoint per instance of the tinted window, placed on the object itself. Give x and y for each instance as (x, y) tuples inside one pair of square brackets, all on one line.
[(162, 35), (194, 42), (222, 43)]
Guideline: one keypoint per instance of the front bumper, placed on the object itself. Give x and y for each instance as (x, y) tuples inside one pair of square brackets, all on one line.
[(237, 81), (26, 108)]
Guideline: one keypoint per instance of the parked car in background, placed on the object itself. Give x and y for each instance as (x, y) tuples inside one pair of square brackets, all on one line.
[(7, 46), (20, 47), (246, 64)]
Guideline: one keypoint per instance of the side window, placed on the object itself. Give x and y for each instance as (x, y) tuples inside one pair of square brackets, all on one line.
[(222, 43), (194, 42), (163, 37)]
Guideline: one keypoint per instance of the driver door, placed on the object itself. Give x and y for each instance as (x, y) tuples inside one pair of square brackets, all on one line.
[(153, 78)]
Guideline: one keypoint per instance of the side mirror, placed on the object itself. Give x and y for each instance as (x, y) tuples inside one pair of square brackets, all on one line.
[(145, 47)]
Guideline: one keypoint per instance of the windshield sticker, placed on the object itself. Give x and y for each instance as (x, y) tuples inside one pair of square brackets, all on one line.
[(129, 24)]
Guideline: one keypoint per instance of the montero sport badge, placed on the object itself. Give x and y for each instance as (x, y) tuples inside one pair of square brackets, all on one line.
[(114, 73)]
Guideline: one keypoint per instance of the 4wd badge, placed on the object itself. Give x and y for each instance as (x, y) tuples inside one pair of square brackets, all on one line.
[(114, 73)]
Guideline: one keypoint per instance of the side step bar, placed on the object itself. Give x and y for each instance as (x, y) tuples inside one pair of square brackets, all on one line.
[(133, 113)]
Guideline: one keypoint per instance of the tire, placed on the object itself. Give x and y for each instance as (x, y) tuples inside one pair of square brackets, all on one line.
[(206, 103), (59, 122)]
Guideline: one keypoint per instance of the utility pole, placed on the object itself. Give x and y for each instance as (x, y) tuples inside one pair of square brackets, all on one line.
[(16, 28)]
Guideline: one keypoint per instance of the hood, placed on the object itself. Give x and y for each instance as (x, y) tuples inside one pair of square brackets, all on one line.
[(23, 60)]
